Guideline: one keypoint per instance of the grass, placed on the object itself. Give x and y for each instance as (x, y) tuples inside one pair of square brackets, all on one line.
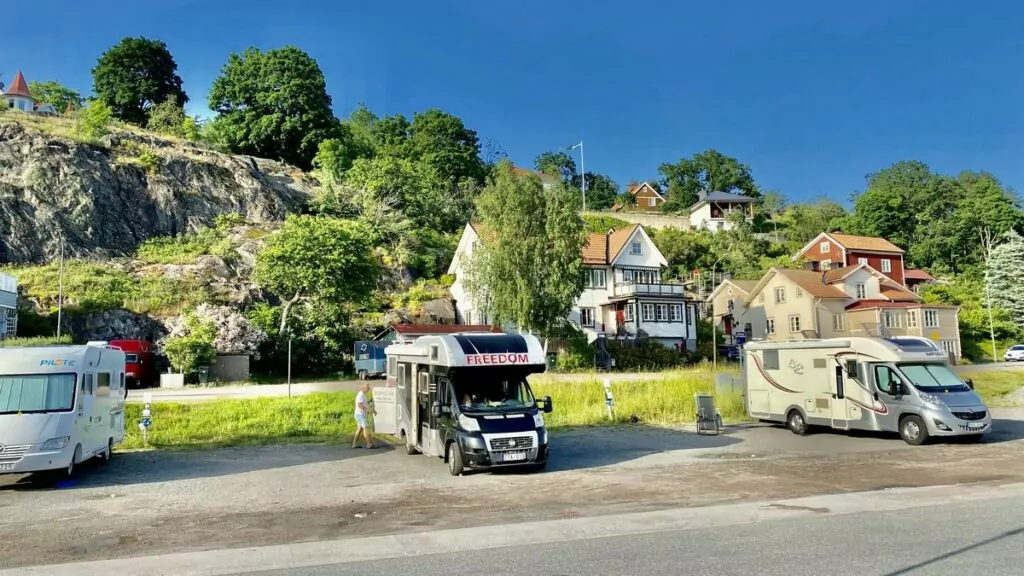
[(995, 385), (327, 416), (36, 341)]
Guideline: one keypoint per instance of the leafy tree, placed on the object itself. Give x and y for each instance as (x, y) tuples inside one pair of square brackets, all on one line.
[(529, 270), (167, 117), (804, 221), (135, 75), (190, 343), (772, 206), (1005, 270), (317, 259), (708, 171), (55, 93), (273, 104), (602, 191), (94, 119), (335, 155), (443, 142), (557, 164)]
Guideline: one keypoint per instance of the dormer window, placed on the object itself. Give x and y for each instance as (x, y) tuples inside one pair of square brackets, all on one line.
[(862, 291), (636, 249)]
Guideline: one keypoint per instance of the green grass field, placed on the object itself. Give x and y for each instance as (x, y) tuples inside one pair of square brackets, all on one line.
[(662, 400)]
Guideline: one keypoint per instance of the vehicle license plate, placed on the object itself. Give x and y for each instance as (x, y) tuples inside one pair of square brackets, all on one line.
[(975, 426), (6, 466), (515, 456)]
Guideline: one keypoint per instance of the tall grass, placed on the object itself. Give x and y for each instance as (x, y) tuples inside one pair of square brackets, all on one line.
[(995, 386)]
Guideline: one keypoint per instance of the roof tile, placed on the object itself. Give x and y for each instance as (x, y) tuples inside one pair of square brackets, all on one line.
[(851, 242), (811, 282), (18, 87)]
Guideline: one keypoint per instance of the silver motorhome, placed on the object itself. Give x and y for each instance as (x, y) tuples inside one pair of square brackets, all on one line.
[(900, 385), (59, 406), (465, 398)]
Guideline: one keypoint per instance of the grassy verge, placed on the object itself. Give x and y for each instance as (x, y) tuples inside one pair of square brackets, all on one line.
[(327, 417), (995, 385)]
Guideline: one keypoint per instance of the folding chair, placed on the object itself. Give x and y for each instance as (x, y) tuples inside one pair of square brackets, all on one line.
[(709, 421)]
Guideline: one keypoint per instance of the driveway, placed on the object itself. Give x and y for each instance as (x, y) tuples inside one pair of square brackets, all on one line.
[(157, 502)]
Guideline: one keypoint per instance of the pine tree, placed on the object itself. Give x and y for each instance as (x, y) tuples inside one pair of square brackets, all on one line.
[(1005, 271)]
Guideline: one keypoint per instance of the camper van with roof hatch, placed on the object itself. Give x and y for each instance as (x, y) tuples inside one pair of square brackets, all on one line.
[(60, 406), (902, 384), (464, 398)]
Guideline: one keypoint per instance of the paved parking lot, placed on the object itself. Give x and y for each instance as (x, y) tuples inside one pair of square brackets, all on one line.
[(155, 502)]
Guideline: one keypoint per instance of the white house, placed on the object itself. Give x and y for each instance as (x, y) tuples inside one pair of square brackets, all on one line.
[(712, 210), (17, 97), (624, 295), (8, 306)]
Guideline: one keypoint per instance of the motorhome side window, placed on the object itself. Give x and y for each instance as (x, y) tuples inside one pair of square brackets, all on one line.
[(885, 378), (103, 384), (771, 359), (393, 367)]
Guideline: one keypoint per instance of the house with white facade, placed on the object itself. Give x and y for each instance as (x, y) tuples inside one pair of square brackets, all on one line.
[(17, 97), (711, 212), (625, 294), (8, 306)]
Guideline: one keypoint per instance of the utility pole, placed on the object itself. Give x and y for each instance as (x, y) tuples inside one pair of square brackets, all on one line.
[(986, 243), (60, 288), (289, 363), (583, 174)]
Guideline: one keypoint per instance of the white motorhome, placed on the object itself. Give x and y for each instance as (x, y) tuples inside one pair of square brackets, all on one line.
[(900, 385), (465, 398), (59, 406)]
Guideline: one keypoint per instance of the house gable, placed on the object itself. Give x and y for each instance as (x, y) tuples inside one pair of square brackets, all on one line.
[(465, 247), (816, 251), (620, 249)]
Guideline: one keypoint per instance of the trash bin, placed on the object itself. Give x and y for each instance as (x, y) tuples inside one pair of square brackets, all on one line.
[(552, 360), (204, 375)]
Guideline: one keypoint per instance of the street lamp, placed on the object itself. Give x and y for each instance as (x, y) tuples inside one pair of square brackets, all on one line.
[(60, 288), (714, 322), (583, 174)]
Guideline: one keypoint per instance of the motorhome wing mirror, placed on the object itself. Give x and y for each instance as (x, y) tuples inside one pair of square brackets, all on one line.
[(970, 384), (438, 409), (547, 404)]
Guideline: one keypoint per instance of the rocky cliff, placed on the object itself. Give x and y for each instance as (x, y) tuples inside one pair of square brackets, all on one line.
[(105, 198)]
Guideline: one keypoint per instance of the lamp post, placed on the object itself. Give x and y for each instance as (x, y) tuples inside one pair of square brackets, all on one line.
[(60, 288), (714, 322), (583, 174)]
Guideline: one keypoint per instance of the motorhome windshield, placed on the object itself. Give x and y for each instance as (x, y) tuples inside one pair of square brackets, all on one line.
[(494, 394), (933, 378), (36, 393)]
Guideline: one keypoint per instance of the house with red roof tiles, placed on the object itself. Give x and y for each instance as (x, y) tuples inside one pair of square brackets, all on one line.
[(626, 293), (17, 97), (836, 250)]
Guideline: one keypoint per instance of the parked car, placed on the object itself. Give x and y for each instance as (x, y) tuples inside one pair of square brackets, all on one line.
[(1015, 354)]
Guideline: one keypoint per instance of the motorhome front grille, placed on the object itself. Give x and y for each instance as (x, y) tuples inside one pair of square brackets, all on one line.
[(10, 454), (516, 443), (979, 415)]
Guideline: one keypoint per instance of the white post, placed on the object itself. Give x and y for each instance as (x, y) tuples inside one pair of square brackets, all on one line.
[(991, 323), (583, 175), (289, 366), (60, 288), (609, 399)]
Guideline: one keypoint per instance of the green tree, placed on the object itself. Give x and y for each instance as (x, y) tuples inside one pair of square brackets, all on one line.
[(557, 164), (529, 269), (94, 119), (708, 171), (771, 206), (602, 191), (55, 93), (444, 143), (167, 117), (135, 75), (318, 260), (1005, 271), (273, 104), (192, 347)]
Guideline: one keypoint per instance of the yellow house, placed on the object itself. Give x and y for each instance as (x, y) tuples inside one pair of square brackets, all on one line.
[(793, 304)]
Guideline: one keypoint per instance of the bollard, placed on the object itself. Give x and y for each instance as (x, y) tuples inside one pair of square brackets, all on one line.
[(147, 419), (609, 399)]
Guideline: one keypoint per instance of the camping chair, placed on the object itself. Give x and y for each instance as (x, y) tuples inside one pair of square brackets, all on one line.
[(709, 421)]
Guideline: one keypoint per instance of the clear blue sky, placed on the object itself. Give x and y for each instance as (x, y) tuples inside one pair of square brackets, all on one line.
[(812, 96)]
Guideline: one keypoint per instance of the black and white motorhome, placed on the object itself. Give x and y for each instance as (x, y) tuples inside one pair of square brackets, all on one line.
[(465, 398)]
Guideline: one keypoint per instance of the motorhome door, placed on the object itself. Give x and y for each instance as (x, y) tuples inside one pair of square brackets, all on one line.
[(84, 407), (384, 401), (840, 418)]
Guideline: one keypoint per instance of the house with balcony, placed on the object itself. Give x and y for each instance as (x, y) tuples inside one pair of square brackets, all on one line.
[(857, 300), (625, 294), (8, 306), (712, 211)]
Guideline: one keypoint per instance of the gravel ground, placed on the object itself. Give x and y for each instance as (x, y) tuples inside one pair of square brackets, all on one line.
[(160, 502)]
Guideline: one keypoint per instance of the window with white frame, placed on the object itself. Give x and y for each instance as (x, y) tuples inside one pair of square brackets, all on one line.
[(731, 304), (627, 276), (794, 323), (839, 322), (949, 346), (886, 265), (760, 297), (652, 201), (596, 278), (931, 318), (636, 249), (662, 312), (862, 291), (862, 261), (799, 292), (587, 317), (676, 313), (648, 312), (892, 319), (911, 318), (824, 247), (780, 295), (826, 264), (771, 325), (628, 312)]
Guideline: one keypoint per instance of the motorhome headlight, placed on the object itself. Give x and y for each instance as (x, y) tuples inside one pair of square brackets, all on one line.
[(933, 401), (54, 444), (538, 420), (469, 424)]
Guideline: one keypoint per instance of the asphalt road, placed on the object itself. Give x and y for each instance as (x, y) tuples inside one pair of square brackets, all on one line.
[(923, 531)]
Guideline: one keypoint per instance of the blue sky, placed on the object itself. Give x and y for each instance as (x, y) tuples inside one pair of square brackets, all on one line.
[(812, 96)]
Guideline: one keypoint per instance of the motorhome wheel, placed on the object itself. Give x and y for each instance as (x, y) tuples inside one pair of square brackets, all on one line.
[(913, 430), (796, 423), (109, 452), (454, 460)]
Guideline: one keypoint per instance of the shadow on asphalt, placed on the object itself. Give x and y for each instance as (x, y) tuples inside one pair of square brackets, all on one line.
[(595, 447), (165, 466), (1003, 430)]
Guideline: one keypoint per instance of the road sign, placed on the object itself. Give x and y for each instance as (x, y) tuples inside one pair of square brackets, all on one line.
[(741, 337)]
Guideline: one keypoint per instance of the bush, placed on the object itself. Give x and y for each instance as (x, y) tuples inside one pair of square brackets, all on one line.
[(36, 341), (190, 343), (642, 355), (602, 224), (183, 249)]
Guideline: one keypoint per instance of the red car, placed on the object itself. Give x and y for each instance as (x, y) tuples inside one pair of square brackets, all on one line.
[(139, 362)]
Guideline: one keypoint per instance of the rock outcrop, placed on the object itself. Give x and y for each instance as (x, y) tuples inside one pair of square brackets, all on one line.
[(104, 200)]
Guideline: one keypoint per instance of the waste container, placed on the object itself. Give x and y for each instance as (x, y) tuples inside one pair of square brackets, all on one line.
[(552, 360), (204, 375)]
